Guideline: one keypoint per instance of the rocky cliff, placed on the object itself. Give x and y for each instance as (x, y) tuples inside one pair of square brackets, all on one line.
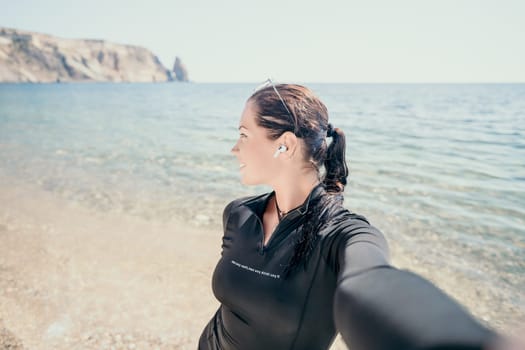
[(34, 57)]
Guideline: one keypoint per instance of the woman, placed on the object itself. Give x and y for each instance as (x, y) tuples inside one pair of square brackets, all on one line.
[(296, 266)]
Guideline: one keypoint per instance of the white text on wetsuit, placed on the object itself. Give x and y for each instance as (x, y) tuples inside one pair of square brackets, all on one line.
[(264, 273)]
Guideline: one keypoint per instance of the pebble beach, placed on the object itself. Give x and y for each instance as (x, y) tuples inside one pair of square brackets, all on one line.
[(72, 278)]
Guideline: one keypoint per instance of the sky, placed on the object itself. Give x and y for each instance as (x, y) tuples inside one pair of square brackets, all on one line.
[(372, 41)]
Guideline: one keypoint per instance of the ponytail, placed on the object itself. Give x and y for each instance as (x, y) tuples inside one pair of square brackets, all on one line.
[(335, 162)]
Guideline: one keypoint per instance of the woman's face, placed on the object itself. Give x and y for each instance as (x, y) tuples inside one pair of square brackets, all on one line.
[(254, 150)]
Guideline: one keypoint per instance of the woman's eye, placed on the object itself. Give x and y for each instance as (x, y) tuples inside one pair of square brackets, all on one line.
[(242, 135)]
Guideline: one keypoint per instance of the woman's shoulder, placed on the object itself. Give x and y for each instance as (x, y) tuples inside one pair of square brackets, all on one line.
[(346, 225), (344, 219), (351, 237)]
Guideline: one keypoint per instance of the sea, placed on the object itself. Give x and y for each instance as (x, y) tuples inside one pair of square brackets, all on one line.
[(438, 168)]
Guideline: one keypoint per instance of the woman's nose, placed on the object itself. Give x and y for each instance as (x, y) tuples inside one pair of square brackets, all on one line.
[(235, 148)]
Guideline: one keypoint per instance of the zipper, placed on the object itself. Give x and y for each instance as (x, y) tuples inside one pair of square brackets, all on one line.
[(261, 247)]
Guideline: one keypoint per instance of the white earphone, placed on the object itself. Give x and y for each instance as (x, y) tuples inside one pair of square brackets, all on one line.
[(281, 149)]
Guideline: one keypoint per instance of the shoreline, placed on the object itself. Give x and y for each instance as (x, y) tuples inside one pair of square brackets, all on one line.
[(74, 278)]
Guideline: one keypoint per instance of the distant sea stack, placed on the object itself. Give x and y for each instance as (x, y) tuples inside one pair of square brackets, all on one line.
[(181, 73), (40, 58)]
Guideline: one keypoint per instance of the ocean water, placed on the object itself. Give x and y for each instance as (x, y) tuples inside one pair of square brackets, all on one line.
[(439, 168)]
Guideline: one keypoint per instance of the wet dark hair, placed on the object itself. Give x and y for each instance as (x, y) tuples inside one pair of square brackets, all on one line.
[(307, 117)]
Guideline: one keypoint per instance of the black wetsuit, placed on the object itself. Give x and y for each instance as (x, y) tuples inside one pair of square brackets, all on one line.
[(263, 309)]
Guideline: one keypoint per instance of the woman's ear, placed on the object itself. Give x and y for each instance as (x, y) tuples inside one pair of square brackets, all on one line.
[(290, 141)]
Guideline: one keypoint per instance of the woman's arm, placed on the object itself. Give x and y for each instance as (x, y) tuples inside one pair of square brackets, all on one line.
[(380, 307)]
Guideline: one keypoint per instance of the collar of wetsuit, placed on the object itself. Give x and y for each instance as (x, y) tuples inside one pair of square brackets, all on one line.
[(259, 203)]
